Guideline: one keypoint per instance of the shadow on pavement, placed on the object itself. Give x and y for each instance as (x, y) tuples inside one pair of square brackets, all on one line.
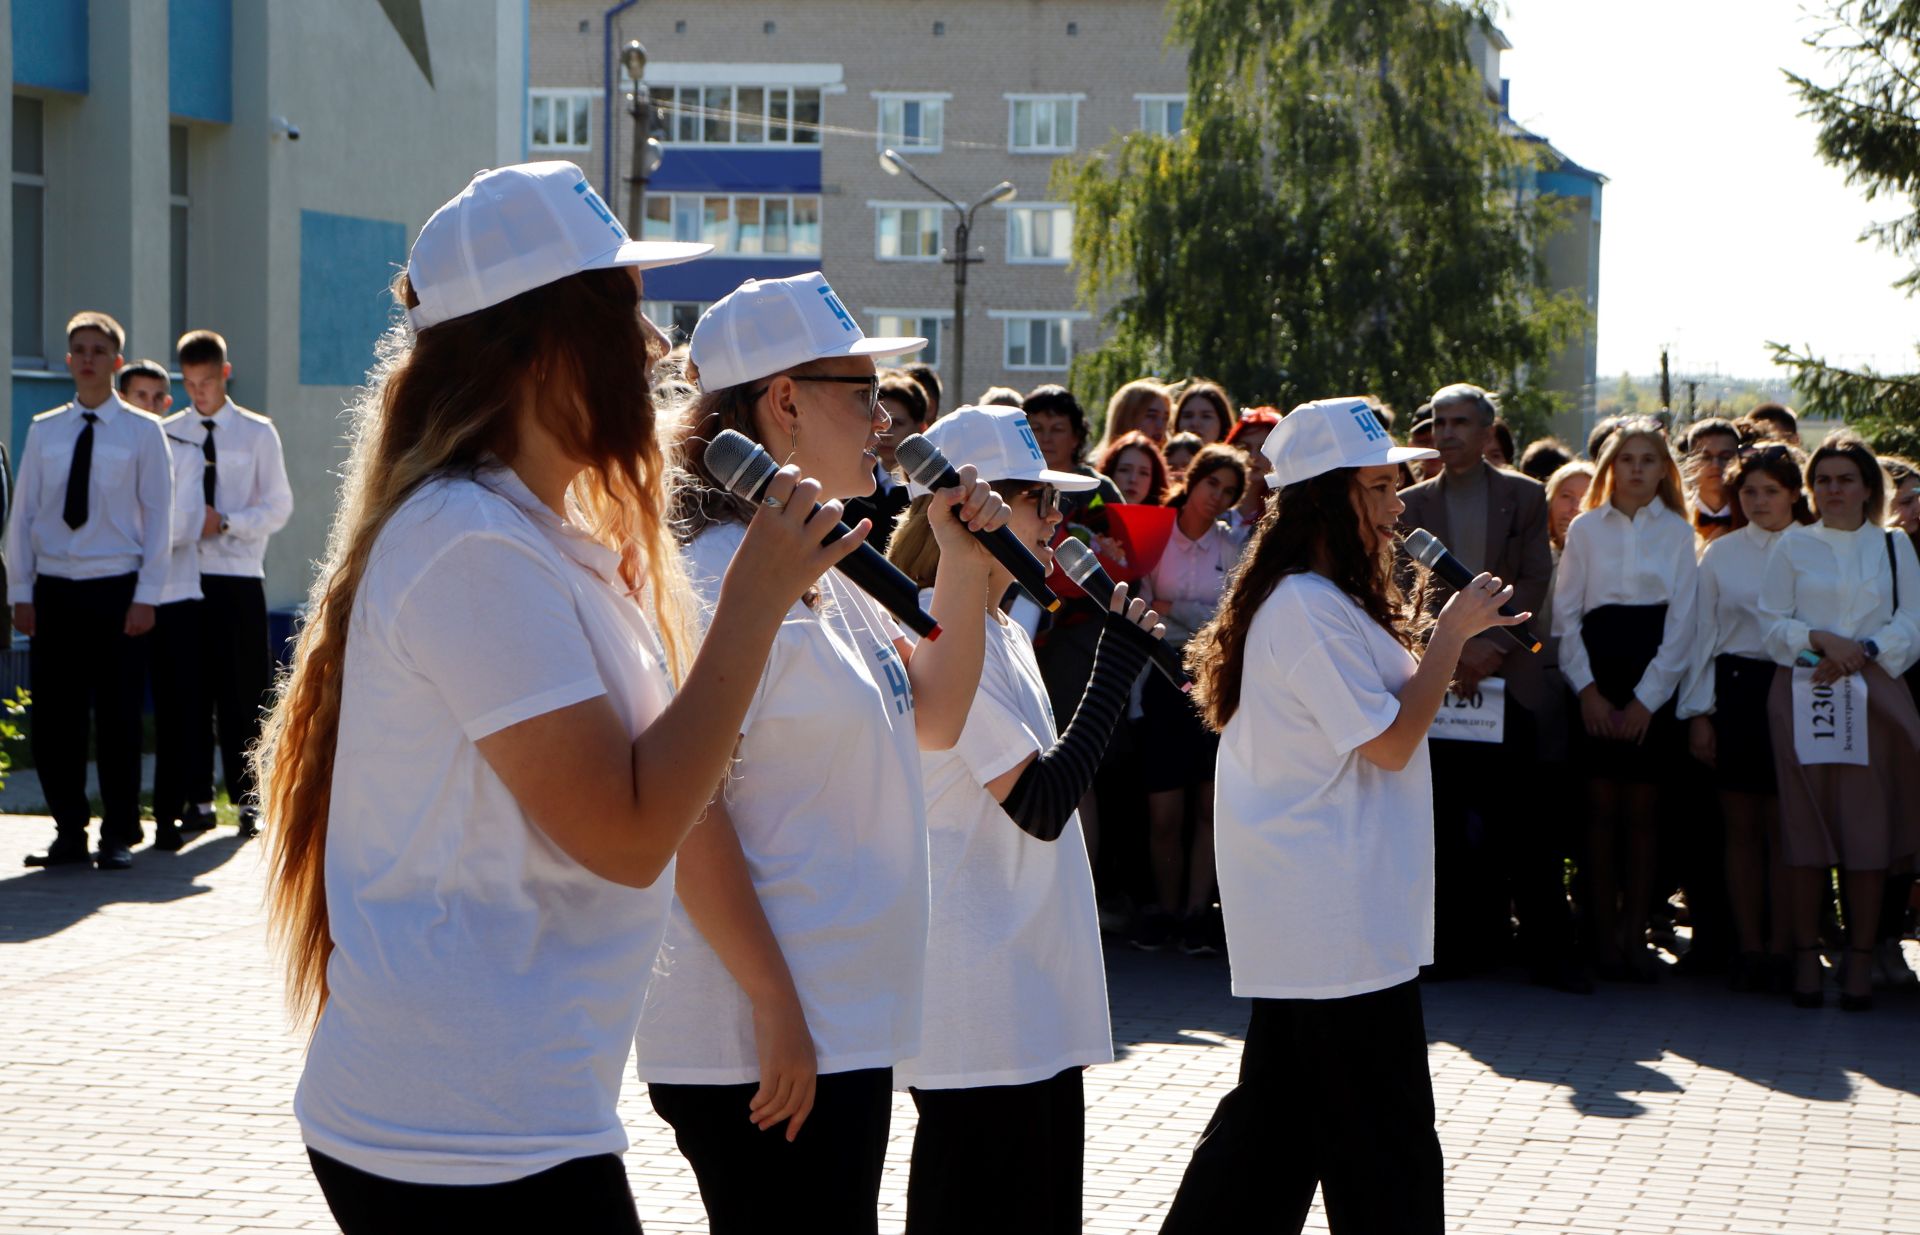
[(37, 903)]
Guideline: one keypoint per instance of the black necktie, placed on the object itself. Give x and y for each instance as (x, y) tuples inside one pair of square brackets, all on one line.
[(210, 474), (1703, 519), (75, 510)]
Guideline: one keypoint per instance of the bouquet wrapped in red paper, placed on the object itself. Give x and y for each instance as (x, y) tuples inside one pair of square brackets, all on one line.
[(1129, 540)]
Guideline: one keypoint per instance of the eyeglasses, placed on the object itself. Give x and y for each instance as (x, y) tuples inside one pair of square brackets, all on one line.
[(871, 381), (1046, 499)]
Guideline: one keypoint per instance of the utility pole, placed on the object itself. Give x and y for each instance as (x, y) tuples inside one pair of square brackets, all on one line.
[(1666, 383), (1693, 388), (960, 258), (646, 147)]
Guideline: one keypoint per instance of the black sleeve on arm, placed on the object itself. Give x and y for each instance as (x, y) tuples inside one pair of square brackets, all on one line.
[(1046, 793)]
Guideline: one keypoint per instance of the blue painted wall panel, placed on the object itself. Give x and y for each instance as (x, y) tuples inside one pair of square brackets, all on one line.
[(200, 59), (50, 44), (713, 277), (346, 265), (738, 171)]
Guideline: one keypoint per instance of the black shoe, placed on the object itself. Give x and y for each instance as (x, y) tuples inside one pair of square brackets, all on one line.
[(1196, 934), (168, 838), (1154, 931), (59, 854), (114, 858), (1858, 959), (1808, 998), (1566, 976), (195, 821), (249, 823)]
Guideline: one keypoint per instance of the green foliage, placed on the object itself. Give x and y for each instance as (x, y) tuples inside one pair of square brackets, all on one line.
[(1341, 215), (1869, 119), (11, 732)]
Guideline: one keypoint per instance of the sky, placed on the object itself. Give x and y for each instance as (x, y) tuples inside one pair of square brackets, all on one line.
[(1721, 226)]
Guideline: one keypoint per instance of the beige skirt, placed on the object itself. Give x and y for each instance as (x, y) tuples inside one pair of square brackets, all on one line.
[(1857, 818)]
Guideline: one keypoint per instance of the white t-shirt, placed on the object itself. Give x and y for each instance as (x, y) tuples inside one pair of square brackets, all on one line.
[(825, 795), (485, 986), (1016, 986), (1325, 858)]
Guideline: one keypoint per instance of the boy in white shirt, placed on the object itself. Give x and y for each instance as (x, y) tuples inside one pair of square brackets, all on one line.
[(246, 500), (88, 549)]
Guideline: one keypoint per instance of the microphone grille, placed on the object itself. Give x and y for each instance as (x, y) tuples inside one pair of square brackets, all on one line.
[(738, 463), (1423, 546), (1076, 559), (920, 460)]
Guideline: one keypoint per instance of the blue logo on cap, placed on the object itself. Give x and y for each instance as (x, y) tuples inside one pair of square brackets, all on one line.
[(600, 208), (1368, 422), (1026, 435), (839, 310)]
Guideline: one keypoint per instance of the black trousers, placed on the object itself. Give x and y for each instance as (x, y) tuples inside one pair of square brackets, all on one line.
[(1495, 847), (1001, 1158), (827, 1179), (237, 666), (85, 669), (1333, 1092), (180, 741), (587, 1196)]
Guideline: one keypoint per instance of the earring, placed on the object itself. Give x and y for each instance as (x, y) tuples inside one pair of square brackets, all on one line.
[(793, 444)]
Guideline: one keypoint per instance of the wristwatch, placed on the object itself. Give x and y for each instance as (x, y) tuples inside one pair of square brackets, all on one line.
[(1871, 648), (224, 525)]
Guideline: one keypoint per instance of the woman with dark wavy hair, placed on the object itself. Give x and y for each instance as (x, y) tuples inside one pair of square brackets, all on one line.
[(1324, 831)]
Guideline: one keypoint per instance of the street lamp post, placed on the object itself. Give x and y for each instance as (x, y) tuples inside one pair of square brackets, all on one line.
[(960, 258), (646, 147)]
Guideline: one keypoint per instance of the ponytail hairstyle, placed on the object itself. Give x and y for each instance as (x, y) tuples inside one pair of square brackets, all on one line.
[(1304, 520), (442, 403)]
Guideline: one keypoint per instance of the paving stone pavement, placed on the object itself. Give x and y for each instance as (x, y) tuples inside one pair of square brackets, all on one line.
[(147, 1069)]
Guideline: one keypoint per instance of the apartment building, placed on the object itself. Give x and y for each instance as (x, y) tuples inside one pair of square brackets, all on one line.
[(255, 166), (776, 112)]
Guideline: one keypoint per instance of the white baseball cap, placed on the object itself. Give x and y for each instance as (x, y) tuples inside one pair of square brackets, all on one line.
[(1327, 434), (513, 229), (767, 326), (999, 443)]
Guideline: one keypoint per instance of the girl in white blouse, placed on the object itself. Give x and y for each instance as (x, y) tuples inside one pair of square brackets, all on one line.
[(1844, 595), (1623, 606), (1724, 702)]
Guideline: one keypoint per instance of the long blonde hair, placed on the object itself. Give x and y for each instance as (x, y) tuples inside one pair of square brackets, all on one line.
[(1128, 403), (1672, 490), (438, 405)]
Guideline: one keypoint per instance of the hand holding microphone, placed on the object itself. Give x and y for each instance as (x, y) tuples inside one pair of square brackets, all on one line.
[(1085, 570), (1479, 601), (925, 466)]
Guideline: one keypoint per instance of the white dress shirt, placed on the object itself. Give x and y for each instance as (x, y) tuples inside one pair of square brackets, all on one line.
[(1729, 608), (189, 512), (1611, 559), (1841, 582), (129, 501), (1187, 583), (251, 490)]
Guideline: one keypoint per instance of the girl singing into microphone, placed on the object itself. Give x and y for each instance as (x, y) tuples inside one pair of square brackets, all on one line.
[(479, 771), (789, 982), (1324, 832), (1016, 1002)]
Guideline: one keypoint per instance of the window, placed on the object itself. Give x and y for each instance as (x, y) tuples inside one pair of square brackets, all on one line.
[(1042, 125), (907, 233), (912, 122), (676, 318), (1039, 342), (908, 324), (1039, 234), (737, 225), (560, 119), (1165, 114), (739, 115), (29, 233), (177, 225)]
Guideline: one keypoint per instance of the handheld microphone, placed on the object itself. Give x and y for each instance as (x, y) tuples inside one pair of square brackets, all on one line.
[(1085, 570), (925, 466), (1425, 548), (739, 463)]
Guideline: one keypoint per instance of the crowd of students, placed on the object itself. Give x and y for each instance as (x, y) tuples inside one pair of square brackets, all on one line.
[(136, 559)]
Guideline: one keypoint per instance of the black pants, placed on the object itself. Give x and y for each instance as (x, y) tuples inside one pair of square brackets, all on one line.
[(1494, 848), (85, 668), (587, 1196), (1333, 1092), (827, 1179), (179, 708), (1001, 1158), (237, 666)]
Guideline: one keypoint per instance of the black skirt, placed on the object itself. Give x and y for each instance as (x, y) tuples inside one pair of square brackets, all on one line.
[(1743, 740), (1621, 641), (1176, 749)]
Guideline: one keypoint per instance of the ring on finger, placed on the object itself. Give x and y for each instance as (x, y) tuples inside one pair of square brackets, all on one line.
[(773, 503)]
